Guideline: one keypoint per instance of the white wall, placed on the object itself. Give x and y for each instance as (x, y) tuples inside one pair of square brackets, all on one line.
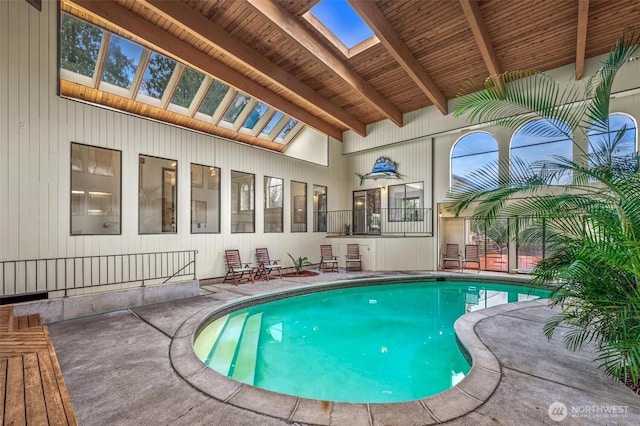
[(37, 128), (36, 131), (422, 149)]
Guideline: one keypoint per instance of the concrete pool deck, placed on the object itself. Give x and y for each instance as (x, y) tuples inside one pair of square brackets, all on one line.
[(118, 370)]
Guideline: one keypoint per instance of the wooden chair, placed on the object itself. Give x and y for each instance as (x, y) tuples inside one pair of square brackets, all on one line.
[(328, 262), (451, 254), (267, 265), (471, 255), (236, 269), (353, 258)]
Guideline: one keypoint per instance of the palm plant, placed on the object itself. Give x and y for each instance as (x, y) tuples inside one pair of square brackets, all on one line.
[(592, 224), (299, 263)]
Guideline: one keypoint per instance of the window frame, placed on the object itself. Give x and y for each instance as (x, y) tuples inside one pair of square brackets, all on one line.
[(107, 224), (236, 204), (265, 206), (418, 215), (173, 168), (299, 219), (205, 184)]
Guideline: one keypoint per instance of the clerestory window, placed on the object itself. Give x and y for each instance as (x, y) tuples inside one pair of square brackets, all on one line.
[(98, 59)]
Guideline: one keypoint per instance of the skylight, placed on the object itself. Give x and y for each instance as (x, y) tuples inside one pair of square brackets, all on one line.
[(122, 60), (337, 21), (98, 59)]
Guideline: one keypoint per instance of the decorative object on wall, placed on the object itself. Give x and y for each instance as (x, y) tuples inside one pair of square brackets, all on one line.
[(383, 168)]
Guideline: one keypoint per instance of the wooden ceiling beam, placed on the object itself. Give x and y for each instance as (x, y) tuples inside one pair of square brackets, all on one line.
[(583, 18), (390, 39), (476, 23), (297, 32), (166, 43), (209, 32)]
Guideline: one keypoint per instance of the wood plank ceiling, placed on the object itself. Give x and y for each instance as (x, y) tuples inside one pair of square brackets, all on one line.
[(428, 50)]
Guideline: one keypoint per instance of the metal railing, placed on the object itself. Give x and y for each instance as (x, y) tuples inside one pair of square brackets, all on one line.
[(378, 222), (64, 275)]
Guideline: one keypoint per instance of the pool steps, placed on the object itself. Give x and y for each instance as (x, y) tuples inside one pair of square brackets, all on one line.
[(225, 351), (244, 368)]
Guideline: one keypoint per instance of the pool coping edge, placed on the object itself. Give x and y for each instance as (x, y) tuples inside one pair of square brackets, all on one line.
[(467, 395)]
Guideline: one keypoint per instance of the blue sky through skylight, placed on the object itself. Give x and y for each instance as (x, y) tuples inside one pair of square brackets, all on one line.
[(342, 21)]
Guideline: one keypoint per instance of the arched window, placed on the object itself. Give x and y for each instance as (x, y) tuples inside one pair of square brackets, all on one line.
[(603, 136), (537, 144), (470, 153)]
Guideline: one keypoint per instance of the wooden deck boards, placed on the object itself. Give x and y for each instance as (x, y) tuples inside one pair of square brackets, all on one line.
[(32, 390)]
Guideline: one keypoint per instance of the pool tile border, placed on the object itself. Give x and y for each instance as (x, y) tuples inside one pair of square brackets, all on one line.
[(473, 391)]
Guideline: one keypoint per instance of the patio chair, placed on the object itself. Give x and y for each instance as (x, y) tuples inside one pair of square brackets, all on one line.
[(328, 262), (354, 260), (451, 254), (236, 269), (267, 265), (471, 255)]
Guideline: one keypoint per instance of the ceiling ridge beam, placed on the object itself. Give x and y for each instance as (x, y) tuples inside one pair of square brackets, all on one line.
[(583, 18), (298, 33), (164, 42), (472, 12), (211, 33), (370, 13)]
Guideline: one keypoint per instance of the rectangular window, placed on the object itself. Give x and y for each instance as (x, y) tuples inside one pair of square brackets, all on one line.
[(319, 208), (205, 199), (298, 207), (406, 202), (95, 190), (157, 195), (273, 197), (242, 202)]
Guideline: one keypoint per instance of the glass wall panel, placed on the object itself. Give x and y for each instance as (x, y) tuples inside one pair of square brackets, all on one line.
[(157, 195), (157, 75), (529, 245), (122, 60), (493, 243), (298, 207), (286, 129), (205, 199), (95, 190), (474, 151), (236, 107), (214, 97), (190, 82), (319, 208), (406, 202), (367, 212), (255, 115), (273, 203), (242, 202), (273, 122), (79, 45), (605, 135), (530, 147)]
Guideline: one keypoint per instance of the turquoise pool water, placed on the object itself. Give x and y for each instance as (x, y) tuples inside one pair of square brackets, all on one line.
[(381, 343)]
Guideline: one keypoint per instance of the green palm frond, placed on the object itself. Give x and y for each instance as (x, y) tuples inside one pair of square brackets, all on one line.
[(591, 225), (527, 95), (601, 82)]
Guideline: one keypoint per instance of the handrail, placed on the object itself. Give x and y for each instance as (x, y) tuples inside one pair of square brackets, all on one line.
[(181, 269), (402, 222), (76, 274)]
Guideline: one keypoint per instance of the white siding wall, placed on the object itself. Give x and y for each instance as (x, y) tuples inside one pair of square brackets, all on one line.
[(37, 128), (36, 131)]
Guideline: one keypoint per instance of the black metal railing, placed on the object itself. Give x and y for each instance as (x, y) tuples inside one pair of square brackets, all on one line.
[(33, 276), (378, 222)]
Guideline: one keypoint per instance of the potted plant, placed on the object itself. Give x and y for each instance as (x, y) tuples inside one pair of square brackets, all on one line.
[(299, 263), (347, 229)]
